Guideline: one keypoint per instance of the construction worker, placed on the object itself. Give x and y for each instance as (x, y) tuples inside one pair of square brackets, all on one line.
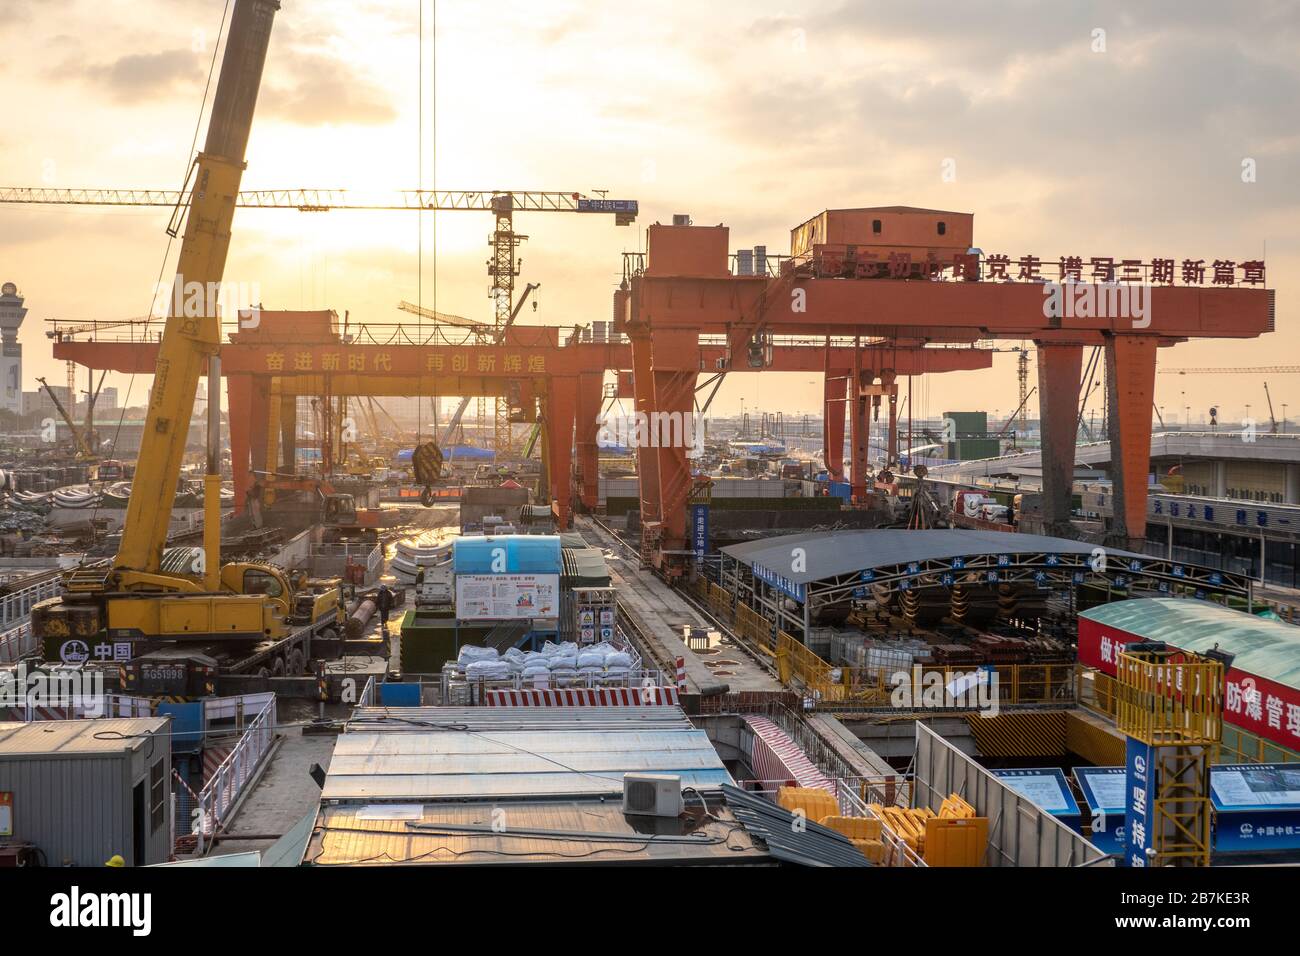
[(384, 602)]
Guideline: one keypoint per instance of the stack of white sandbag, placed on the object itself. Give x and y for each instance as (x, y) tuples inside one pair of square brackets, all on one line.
[(483, 663)]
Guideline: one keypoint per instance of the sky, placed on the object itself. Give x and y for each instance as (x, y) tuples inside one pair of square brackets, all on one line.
[(1108, 129)]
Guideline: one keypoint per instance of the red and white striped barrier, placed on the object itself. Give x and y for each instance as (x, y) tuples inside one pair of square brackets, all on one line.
[(213, 758), (681, 674), (583, 697), (775, 756)]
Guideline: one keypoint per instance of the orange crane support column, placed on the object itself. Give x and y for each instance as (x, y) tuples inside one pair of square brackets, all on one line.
[(1131, 380), (259, 419), (591, 390), (561, 403), (833, 391), (647, 468), (1059, 368), (239, 400), (672, 427)]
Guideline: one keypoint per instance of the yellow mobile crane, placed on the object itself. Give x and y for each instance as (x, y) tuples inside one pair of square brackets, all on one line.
[(140, 597)]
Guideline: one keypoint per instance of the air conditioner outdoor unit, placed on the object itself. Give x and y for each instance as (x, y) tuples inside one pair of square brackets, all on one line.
[(652, 795)]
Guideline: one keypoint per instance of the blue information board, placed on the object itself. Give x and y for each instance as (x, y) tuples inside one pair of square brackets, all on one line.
[(1047, 789), (1103, 795), (1257, 807), (1139, 773)]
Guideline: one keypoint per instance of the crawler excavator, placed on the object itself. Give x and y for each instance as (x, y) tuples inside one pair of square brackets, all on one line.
[(123, 610)]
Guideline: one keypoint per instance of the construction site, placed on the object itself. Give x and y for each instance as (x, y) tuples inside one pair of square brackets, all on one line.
[(333, 586)]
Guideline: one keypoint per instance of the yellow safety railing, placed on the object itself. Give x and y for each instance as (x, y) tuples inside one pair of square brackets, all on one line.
[(719, 600), (794, 662), (1097, 691), (1015, 683), (755, 628), (1166, 700)]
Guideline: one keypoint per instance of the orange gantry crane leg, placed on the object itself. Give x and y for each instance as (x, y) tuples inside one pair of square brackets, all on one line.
[(834, 390), (1131, 379), (1059, 367), (559, 412), (591, 392)]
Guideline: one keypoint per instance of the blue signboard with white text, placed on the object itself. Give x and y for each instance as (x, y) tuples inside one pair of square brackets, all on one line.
[(1103, 790), (1047, 789), (1139, 797), (700, 530), (1257, 807)]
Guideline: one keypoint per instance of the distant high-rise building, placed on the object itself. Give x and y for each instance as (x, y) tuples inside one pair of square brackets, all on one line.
[(12, 314)]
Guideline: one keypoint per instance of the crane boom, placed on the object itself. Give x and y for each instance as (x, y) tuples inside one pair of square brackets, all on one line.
[(1247, 370), (83, 449), (189, 342), (325, 200)]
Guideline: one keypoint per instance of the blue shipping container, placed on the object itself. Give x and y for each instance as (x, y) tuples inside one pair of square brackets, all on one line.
[(523, 554)]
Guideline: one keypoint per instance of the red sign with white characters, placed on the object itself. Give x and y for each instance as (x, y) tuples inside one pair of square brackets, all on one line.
[(1255, 704)]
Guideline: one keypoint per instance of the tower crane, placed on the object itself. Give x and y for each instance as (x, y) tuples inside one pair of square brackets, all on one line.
[(503, 266)]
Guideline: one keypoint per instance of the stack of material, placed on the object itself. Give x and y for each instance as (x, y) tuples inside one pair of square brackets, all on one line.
[(956, 655), (909, 824), (411, 554), (863, 832), (955, 808), (1002, 650), (815, 804)]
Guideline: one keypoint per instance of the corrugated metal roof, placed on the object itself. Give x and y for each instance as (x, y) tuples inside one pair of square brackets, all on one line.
[(807, 844), (482, 719), (832, 553), (480, 753), (1266, 648), (71, 737), (548, 832)]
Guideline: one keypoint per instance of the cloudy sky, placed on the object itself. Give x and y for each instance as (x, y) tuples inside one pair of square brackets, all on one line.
[(755, 114)]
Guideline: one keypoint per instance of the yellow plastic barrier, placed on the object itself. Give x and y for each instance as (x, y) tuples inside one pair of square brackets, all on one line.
[(955, 808), (816, 805), (956, 842), (855, 828)]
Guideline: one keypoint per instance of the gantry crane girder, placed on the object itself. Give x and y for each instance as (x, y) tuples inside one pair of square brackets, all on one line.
[(263, 379), (686, 289)]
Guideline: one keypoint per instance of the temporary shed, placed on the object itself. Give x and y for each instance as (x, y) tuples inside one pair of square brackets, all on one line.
[(84, 791)]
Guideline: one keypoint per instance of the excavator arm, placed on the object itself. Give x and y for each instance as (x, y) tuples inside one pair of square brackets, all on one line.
[(190, 341)]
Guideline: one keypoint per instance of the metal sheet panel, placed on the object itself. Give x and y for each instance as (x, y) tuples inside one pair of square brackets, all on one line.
[(479, 788), (547, 832)]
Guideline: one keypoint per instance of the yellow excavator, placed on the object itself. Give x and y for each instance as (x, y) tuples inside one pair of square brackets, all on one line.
[(137, 599)]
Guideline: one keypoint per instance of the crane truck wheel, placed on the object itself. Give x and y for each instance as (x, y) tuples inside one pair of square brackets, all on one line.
[(263, 672), (297, 662), (277, 667)]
